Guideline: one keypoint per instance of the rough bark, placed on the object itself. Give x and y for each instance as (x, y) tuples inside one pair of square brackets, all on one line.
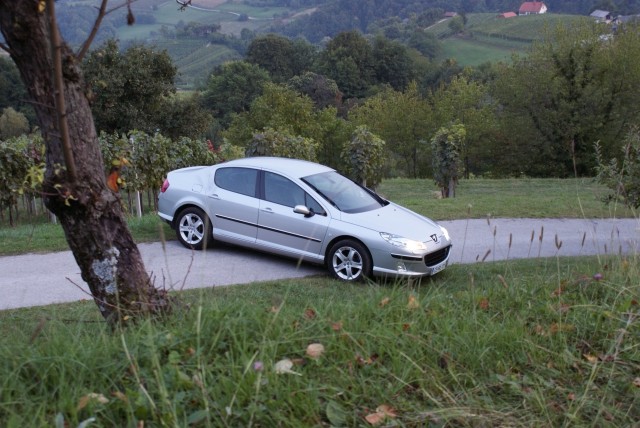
[(91, 215)]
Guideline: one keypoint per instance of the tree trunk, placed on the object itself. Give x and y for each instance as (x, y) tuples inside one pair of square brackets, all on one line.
[(90, 214)]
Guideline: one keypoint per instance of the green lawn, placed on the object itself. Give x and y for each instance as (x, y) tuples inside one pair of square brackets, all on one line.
[(547, 342)]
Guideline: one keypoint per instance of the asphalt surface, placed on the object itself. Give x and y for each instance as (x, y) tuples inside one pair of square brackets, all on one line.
[(42, 279)]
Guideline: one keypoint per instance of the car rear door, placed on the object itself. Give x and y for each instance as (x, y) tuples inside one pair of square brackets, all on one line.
[(282, 230), (233, 205)]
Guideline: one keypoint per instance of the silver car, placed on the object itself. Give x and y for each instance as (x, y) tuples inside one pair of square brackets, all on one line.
[(303, 210)]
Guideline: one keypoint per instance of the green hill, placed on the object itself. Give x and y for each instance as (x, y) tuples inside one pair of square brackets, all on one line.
[(488, 38)]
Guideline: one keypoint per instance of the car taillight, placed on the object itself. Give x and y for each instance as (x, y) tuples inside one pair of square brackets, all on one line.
[(165, 186)]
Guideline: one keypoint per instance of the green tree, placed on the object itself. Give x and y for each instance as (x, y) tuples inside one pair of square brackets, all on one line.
[(12, 91), (393, 65), (280, 56), (573, 89), (278, 108), (323, 91), (14, 166), (401, 119), (12, 124), (446, 159), (184, 116), (622, 176), (363, 157), (232, 87), (130, 90), (270, 142), (348, 59), (468, 102)]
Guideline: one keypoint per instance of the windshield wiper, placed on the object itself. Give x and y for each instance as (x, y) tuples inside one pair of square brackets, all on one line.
[(328, 199)]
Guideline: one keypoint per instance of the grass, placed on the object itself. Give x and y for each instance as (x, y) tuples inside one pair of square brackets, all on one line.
[(476, 198), (519, 343), (543, 342)]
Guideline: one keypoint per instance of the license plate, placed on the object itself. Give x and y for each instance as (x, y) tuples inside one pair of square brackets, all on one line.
[(438, 268)]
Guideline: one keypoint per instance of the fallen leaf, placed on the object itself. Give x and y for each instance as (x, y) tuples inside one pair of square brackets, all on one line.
[(413, 302), (309, 314), (591, 358), (120, 396), (375, 418), (92, 396), (636, 382), (315, 350), (484, 304), (285, 366), (406, 326), (571, 396), (336, 326), (384, 302), (387, 410)]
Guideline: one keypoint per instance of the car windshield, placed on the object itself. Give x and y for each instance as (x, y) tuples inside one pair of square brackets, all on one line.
[(343, 193)]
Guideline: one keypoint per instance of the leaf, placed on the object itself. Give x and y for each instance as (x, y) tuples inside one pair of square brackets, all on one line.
[(387, 410), (591, 358), (636, 382), (91, 397), (336, 326), (284, 366), (384, 302), (197, 417), (484, 304), (309, 313), (315, 350), (336, 414), (413, 303), (375, 418)]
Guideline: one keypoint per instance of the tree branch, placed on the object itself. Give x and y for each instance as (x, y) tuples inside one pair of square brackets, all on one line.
[(96, 26), (61, 109)]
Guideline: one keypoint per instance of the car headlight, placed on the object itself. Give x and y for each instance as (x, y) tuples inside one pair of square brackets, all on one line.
[(445, 232), (407, 244)]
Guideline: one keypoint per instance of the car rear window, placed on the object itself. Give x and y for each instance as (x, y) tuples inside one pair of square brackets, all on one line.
[(238, 180)]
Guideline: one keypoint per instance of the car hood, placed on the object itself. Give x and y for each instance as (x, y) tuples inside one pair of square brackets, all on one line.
[(396, 220)]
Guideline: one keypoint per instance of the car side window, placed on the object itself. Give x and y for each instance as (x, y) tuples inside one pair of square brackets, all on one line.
[(283, 191), (238, 180)]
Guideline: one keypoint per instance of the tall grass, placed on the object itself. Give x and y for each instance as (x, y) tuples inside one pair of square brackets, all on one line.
[(549, 342)]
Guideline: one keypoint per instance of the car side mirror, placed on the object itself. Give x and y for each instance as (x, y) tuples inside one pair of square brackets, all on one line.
[(301, 209)]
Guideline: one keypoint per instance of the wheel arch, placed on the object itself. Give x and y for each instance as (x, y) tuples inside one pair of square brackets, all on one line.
[(342, 238), (188, 205)]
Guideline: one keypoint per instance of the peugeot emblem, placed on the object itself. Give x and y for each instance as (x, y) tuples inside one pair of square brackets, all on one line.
[(435, 238)]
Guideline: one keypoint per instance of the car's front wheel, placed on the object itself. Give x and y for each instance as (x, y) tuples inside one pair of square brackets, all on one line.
[(193, 229), (349, 260)]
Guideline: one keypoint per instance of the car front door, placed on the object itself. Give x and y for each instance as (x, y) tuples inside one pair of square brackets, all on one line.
[(282, 230), (234, 205)]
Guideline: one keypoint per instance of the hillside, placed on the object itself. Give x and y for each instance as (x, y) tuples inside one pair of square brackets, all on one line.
[(485, 38), (488, 38)]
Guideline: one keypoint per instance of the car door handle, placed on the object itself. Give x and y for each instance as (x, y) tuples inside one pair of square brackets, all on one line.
[(267, 210), (214, 196)]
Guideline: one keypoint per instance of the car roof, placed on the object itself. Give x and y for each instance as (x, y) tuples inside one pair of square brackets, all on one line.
[(291, 167)]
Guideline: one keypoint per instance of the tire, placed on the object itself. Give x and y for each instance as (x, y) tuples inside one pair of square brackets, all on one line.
[(349, 261), (193, 229)]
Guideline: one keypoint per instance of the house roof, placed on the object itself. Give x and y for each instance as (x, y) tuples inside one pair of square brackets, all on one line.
[(508, 15), (600, 13), (531, 7)]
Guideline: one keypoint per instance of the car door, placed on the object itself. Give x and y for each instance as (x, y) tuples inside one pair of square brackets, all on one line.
[(233, 204), (282, 230)]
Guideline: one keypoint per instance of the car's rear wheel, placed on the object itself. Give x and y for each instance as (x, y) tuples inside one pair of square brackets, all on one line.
[(193, 229), (349, 260)]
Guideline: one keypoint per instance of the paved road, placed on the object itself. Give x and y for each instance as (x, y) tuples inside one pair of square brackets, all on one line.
[(41, 279)]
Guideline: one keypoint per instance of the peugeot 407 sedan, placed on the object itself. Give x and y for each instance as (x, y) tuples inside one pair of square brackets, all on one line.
[(302, 210)]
